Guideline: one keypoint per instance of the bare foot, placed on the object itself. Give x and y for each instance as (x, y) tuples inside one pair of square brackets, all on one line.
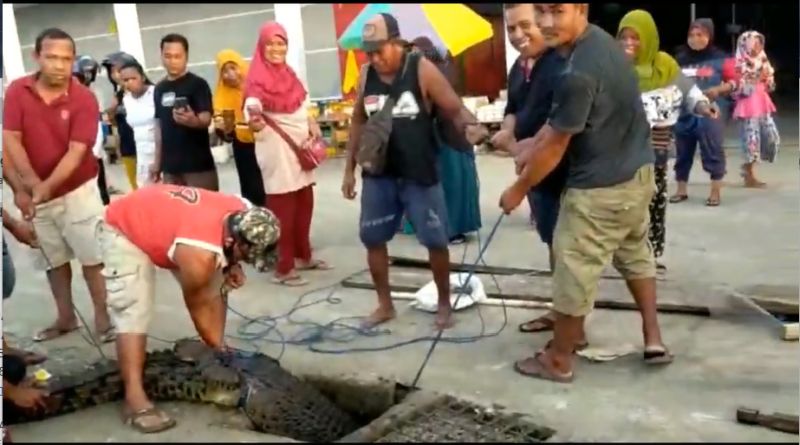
[(754, 183), (378, 317), (444, 319)]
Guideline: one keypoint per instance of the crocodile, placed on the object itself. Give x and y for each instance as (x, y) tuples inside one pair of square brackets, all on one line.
[(275, 401)]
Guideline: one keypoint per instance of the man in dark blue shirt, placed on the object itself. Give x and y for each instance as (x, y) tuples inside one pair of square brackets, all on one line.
[(531, 82), (598, 121)]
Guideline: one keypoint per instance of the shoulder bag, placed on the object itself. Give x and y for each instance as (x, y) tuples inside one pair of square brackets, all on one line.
[(311, 154), (374, 142)]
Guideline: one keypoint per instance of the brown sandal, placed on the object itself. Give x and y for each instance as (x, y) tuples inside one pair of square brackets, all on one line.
[(543, 324), (534, 367), (107, 336), (158, 420), (29, 357), (676, 198), (657, 355), (52, 332)]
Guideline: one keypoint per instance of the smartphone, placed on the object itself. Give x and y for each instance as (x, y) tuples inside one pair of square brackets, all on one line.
[(181, 102), (253, 106), (254, 110)]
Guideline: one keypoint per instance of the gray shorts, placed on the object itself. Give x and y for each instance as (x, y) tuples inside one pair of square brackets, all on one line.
[(384, 200), (9, 274)]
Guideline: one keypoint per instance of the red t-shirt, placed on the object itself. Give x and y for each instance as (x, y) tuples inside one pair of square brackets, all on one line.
[(47, 129), (158, 217)]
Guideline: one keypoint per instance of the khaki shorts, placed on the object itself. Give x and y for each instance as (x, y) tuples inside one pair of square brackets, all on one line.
[(130, 281), (596, 226), (65, 228)]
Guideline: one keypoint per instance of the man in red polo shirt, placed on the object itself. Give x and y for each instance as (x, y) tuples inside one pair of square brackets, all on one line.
[(49, 127), (198, 235)]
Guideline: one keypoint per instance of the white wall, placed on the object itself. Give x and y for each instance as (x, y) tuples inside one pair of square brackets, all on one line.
[(209, 28)]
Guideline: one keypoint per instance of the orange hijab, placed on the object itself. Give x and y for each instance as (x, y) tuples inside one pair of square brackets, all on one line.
[(227, 98)]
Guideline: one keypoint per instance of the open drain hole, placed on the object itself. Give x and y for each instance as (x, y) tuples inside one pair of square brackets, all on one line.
[(365, 401), (388, 412)]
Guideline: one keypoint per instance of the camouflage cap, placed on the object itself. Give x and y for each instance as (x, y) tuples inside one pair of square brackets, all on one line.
[(260, 228)]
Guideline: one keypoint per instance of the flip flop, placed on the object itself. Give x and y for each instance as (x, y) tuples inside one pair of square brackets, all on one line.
[(540, 370), (712, 202), (159, 420), (657, 355), (107, 336), (51, 333), (457, 240), (292, 281), (545, 324), (674, 199), (29, 357), (316, 265)]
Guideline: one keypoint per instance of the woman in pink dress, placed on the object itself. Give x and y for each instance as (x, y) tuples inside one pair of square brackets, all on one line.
[(274, 93), (755, 79)]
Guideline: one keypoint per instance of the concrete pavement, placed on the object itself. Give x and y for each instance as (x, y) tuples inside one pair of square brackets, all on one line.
[(732, 358)]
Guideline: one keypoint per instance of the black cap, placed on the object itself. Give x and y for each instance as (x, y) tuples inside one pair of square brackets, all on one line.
[(378, 30)]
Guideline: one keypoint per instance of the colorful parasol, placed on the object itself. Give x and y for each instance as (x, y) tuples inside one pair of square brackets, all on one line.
[(449, 25)]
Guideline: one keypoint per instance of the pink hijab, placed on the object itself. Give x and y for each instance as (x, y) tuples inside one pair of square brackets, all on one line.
[(276, 85)]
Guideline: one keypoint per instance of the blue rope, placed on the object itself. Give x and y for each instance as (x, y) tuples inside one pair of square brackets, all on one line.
[(259, 330), (458, 297)]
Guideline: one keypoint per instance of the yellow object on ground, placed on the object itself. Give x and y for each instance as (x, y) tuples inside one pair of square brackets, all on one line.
[(42, 375)]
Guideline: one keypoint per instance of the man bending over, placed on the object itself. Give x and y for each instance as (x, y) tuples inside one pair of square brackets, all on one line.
[(195, 234)]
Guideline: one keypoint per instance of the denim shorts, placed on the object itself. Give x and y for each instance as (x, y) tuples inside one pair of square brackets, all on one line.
[(9, 274), (384, 200)]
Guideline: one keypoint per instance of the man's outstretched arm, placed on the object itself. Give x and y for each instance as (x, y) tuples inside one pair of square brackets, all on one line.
[(197, 268)]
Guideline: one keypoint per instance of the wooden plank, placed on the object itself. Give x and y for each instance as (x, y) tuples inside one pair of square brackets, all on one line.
[(776, 299), (499, 302), (485, 268), (457, 267), (791, 332), (613, 294)]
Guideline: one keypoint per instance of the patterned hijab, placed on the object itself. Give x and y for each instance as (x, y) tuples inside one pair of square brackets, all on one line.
[(655, 69), (752, 67)]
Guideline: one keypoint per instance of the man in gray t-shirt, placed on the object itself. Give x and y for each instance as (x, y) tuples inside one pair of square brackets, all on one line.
[(598, 121)]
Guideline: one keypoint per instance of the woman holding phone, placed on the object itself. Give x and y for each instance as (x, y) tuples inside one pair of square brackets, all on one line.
[(277, 99), (118, 114), (140, 105), (231, 127)]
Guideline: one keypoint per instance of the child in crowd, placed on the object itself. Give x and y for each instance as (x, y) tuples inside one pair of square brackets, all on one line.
[(755, 79)]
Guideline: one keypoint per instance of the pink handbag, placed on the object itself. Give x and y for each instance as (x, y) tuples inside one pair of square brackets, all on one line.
[(311, 154)]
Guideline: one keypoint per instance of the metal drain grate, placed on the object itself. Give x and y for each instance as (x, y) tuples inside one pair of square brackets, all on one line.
[(458, 421)]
